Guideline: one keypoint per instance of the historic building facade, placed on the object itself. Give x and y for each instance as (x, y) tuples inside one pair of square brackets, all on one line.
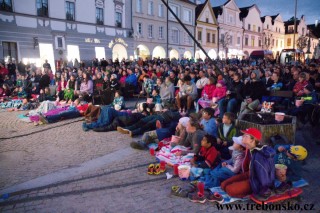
[(252, 25), (206, 31), (36, 30), (230, 30)]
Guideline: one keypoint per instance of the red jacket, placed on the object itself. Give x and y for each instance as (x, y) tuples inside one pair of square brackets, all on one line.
[(220, 92), (211, 156), (208, 89), (298, 87)]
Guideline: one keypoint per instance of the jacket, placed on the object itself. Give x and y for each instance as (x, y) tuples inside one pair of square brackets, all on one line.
[(298, 87), (220, 92), (233, 131), (235, 163), (132, 80), (208, 90), (262, 169), (255, 89), (207, 158)]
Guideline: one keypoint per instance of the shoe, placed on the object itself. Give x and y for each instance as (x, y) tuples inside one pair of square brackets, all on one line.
[(122, 130), (151, 169), (194, 183), (178, 191), (265, 196), (84, 127), (139, 145), (157, 169), (215, 197), (43, 120), (284, 186), (197, 198), (100, 129)]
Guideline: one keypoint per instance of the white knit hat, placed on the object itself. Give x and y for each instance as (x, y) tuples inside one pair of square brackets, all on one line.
[(183, 121)]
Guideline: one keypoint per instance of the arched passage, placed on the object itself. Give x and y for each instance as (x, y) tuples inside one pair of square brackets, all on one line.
[(158, 52), (119, 52), (212, 54), (200, 54), (142, 51), (174, 54), (187, 54)]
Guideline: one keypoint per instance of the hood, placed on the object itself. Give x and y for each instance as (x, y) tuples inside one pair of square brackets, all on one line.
[(266, 151)]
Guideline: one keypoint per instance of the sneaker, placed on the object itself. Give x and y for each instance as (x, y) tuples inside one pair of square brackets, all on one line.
[(84, 127), (265, 196), (43, 120), (139, 145), (122, 130), (215, 197), (284, 186), (197, 198)]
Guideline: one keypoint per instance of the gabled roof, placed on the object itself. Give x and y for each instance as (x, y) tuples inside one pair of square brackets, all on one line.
[(199, 9), (273, 18), (217, 11), (315, 30), (227, 2), (244, 12)]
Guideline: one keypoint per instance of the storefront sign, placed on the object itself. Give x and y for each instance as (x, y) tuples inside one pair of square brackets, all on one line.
[(117, 40), (92, 40)]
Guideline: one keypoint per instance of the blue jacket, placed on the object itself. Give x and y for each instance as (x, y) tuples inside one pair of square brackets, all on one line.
[(262, 169), (131, 79)]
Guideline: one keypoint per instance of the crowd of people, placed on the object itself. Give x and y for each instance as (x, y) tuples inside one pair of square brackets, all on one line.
[(197, 101)]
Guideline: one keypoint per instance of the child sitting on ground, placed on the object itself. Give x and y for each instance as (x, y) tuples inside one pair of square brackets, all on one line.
[(208, 156), (208, 122), (118, 101), (291, 156), (226, 130), (228, 168)]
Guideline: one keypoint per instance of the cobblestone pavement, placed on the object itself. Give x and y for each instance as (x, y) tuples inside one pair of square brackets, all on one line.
[(119, 186)]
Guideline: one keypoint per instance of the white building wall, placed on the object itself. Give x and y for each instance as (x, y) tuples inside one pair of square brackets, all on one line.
[(57, 9), (25, 6)]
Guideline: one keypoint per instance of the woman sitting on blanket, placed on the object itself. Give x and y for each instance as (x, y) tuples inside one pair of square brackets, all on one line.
[(260, 179)]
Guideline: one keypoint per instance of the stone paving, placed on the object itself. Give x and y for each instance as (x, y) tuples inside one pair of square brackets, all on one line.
[(119, 186)]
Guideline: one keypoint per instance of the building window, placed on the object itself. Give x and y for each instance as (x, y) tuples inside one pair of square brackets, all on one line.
[(118, 19), (246, 41), (60, 43), (161, 10), (267, 26), (230, 40), (238, 40), (139, 28), (187, 38), (303, 31), (10, 50), (273, 42), (187, 16), (213, 38), (70, 12), (175, 36), (199, 35), (150, 8), (150, 31), (6, 5), (259, 29), (139, 6), (208, 37), (289, 42), (207, 20), (277, 43), (254, 28), (42, 8), (260, 43), (161, 32), (99, 15), (290, 29), (281, 44), (230, 19), (249, 26), (175, 9), (252, 42)]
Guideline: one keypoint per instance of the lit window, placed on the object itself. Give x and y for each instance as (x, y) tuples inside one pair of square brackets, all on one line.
[(99, 15), (70, 11), (42, 8)]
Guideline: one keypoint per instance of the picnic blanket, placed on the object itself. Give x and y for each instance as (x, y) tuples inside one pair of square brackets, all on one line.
[(227, 199), (167, 154)]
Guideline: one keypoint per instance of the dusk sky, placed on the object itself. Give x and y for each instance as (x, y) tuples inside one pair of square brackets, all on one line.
[(309, 8)]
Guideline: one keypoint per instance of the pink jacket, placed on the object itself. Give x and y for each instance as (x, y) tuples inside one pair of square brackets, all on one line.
[(208, 89), (220, 92)]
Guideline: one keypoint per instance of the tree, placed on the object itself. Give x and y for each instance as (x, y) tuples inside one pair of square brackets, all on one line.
[(302, 42), (225, 41)]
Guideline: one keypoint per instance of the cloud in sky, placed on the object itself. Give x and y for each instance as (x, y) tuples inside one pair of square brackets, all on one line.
[(309, 8)]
